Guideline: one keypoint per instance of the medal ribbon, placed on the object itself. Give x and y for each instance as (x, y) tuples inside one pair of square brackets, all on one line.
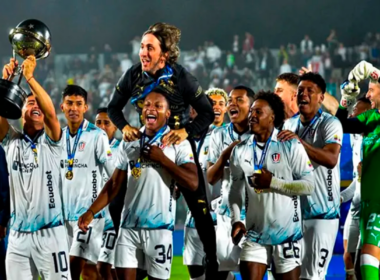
[(311, 124), (259, 166), (151, 141), (168, 73), (32, 144), (71, 153)]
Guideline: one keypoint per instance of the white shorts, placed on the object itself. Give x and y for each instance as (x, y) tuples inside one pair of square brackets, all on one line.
[(227, 253), (285, 257), (85, 245), (318, 247), (43, 253), (107, 250), (148, 249), (351, 233)]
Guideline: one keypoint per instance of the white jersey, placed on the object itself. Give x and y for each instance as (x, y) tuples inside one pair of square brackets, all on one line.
[(221, 138), (149, 202), (34, 182), (324, 203), (271, 218), (91, 153), (356, 145), (202, 153), (114, 145)]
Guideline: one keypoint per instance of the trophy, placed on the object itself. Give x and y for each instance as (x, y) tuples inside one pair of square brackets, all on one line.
[(30, 37)]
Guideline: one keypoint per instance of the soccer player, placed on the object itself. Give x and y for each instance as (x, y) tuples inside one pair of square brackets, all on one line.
[(158, 68), (145, 235), (107, 252), (351, 226), (193, 254), (321, 135), (271, 173), (86, 150), (286, 88), (367, 124), (4, 210), (35, 246), (222, 141)]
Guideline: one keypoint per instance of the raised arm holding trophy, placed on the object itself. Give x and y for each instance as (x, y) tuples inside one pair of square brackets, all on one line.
[(29, 37)]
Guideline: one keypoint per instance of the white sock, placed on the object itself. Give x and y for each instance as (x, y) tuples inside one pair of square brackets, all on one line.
[(366, 259)]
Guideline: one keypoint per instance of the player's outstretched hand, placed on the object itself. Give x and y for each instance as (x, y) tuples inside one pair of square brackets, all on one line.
[(131, 133), (153, 153), (304, 70), (237, 232), (85, 220), (175, 136), (362, 71), (286, 135), (9, 68), (261, 181)]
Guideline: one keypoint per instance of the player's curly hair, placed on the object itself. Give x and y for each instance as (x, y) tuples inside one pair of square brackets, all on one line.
[(169, 37), (217, 91), (276, 103)]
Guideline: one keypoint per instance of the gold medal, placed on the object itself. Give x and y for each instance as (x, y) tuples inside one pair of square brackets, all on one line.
[(136, 172), (69, 175), (258, 171)]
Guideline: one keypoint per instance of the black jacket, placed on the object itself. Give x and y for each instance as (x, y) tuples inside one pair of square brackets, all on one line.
[(181, 91)]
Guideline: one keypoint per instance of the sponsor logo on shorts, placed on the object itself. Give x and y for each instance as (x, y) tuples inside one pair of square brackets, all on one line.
[(50, 189), (276, 158)]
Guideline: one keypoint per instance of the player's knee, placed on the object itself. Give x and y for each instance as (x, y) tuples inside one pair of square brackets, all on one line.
[(104, 269)]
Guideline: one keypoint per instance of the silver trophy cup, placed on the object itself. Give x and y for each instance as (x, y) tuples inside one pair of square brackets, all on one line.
[(29, 37)]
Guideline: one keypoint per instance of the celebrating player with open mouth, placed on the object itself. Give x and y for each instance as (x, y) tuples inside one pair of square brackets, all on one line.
[(37, 239), (273, 174), (367, 124), (321, 135), (145, 236)]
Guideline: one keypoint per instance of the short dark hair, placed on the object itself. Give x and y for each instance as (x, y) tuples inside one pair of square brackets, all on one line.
[(29, 94), (102, 110), (162, 92), (364, 100), (290, 78), (168, 36), (315, 78), (250, 92), (276, 103), (74, 90)]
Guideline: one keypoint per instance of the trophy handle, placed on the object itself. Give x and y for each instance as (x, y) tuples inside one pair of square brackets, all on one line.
[(18, 71)]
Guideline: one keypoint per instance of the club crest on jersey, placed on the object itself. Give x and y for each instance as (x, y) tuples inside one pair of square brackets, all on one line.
[(276, 158), (81, 146)]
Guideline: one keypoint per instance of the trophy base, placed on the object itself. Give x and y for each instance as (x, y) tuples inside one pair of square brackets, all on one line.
[(12, 99)]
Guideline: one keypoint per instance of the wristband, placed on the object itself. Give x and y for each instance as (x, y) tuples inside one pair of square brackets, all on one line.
[(29, 79)]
